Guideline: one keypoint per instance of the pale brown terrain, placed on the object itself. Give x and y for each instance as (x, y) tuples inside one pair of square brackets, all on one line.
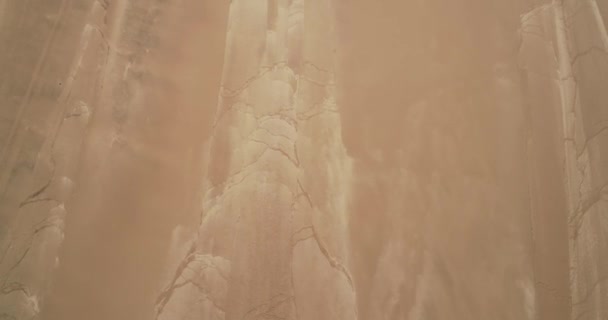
[(304, 159)]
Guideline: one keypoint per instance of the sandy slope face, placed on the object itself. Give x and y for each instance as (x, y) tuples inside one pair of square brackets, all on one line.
[(427, 160), (117, 111)]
